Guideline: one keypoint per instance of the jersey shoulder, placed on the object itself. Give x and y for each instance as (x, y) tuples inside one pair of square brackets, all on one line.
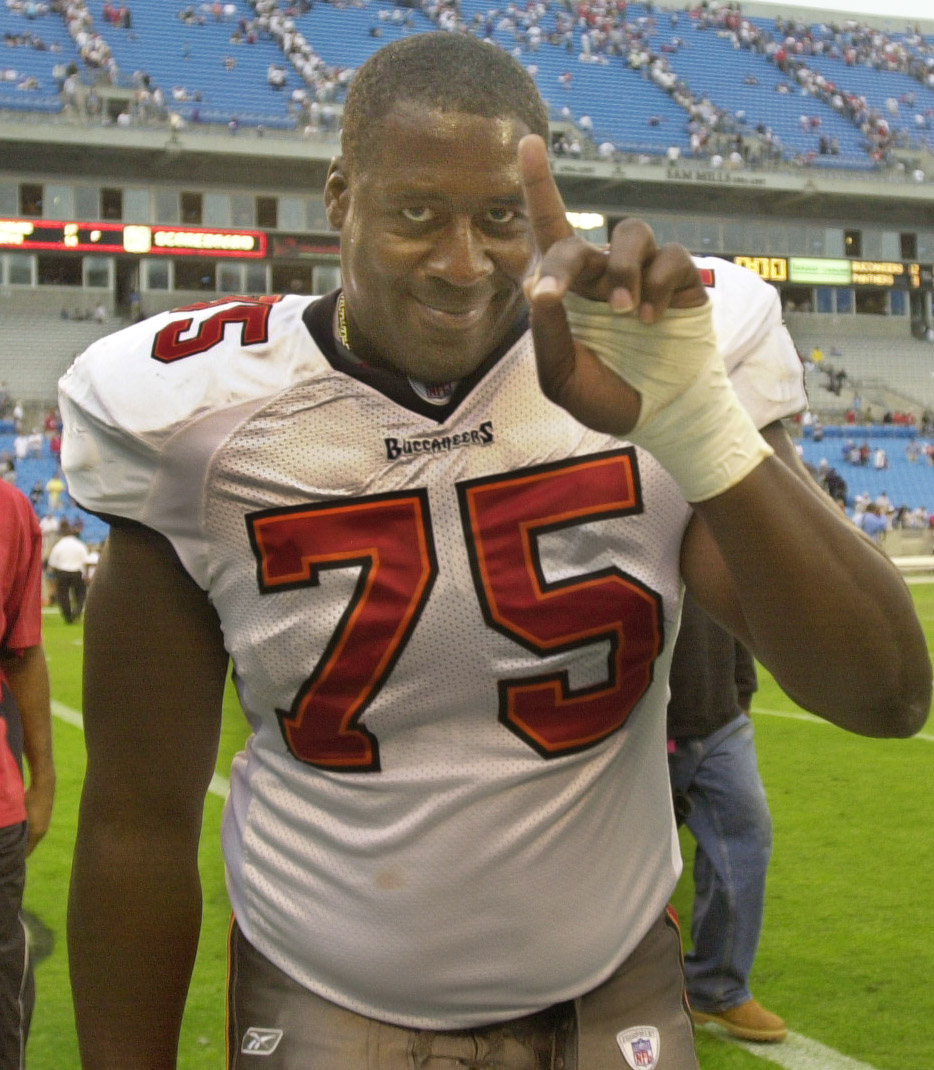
[(759, 353), (744, 307), (131, 394), (153, 377)]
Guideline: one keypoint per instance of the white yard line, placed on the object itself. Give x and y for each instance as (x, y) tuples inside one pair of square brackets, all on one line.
[(67, 714), (795, 1053), (792, 715)]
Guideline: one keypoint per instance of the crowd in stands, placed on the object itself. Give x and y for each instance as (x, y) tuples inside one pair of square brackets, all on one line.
[(30, 460), (881, 450), (791, 41), (98, 314), (879, 134), (26, 39), (857, 44), (894, 518), (641, 38), (91, 45), (322, 82), (874, 512), (605, 33), (47, 495)]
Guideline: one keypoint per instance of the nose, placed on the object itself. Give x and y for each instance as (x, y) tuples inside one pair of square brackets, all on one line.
[(460, 255)]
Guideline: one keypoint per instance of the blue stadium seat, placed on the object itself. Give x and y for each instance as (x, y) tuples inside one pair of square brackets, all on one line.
[(904, 482), (627, 108), (29, 61), (40, 470)]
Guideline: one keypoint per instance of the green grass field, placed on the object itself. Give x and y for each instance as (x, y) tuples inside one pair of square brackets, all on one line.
[(847, 952)]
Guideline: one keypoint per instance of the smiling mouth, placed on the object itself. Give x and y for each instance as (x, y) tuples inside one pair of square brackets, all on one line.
[(452, 318)]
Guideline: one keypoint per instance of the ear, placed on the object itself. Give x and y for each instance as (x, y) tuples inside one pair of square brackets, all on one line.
[(336, 193)]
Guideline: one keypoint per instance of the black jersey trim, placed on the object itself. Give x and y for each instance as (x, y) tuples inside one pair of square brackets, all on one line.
[(319, 320)]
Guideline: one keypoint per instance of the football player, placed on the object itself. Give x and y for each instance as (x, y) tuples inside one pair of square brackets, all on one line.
[(443, 548)]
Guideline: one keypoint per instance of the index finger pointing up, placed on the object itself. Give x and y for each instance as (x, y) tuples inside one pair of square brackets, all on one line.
[(545, 206)]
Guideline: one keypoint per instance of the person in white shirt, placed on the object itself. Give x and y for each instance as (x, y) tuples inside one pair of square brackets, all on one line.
[(68, 560)]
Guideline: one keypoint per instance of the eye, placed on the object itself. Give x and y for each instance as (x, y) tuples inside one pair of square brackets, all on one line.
[(501, 216), (418, 214)]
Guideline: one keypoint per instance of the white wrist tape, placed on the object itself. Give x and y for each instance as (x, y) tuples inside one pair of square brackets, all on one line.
[(690, 420)]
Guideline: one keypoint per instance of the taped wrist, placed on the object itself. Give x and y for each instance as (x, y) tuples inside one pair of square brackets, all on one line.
[(690, 419)]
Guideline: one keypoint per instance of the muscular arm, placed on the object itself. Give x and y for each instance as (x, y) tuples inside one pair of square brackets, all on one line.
[(818, 603), (28, 679), (154, 678)]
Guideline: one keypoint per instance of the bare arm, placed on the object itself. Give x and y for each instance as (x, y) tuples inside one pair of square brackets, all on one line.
[(818, 603), (28, 679), (154, 677)]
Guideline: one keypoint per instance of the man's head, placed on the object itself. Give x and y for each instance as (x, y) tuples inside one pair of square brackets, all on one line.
[(427, 196), (446, 72)]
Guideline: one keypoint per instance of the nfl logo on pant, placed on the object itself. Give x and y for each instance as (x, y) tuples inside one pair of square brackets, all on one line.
[(640, 1046)]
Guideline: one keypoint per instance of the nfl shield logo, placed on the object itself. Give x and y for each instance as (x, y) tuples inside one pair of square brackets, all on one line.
[(640, 1046)]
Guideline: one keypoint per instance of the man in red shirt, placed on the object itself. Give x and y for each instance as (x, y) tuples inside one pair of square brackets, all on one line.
[(25, 729)]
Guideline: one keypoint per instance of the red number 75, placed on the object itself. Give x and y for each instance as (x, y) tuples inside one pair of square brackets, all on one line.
[(389, 537)]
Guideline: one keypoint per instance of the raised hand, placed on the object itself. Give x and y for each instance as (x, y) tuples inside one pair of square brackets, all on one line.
[(634, 273), (633, 276)]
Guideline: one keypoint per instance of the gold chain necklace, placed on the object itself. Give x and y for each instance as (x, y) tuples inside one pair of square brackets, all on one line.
[(342, 321)]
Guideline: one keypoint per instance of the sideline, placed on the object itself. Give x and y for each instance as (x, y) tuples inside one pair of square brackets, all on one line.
[(796, 1052)]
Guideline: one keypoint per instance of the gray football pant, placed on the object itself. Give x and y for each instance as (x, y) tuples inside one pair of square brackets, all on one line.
[(276, 1024)]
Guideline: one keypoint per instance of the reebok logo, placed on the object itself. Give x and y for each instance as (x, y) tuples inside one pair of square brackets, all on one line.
[(260, 1041)]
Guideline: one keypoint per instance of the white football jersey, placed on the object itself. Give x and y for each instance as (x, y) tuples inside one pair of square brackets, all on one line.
[(450, 627)]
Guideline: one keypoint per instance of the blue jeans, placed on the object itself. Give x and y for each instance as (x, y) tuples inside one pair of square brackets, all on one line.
[(730, 820)]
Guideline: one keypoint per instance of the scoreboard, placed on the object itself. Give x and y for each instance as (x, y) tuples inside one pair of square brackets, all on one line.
[(134, 238), (827, 271)]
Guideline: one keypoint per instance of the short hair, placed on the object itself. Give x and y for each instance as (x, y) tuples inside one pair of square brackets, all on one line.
[(451, 72)]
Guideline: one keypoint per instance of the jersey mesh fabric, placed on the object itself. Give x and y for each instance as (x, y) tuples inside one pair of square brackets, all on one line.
[(412, 891), (339, 878)]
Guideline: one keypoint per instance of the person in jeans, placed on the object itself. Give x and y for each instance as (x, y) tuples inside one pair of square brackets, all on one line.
[(718, 792)]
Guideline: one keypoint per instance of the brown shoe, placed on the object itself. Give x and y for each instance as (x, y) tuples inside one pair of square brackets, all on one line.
[(749, 1020)]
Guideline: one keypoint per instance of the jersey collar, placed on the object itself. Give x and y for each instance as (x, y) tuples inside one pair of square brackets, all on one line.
[(319, 320)]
